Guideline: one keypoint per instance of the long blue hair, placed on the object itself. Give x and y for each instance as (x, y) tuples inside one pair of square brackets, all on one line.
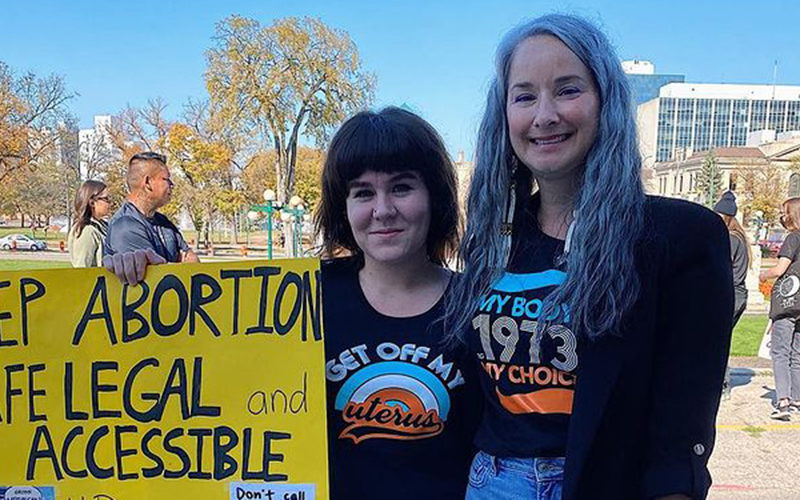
[(602, 282)]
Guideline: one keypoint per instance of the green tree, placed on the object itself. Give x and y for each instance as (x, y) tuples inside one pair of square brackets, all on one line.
[(259, 175), (35, 193), (296, 77), (31, 109), (211, 128), (132, 131), (761, 188), (709, 179), (203, 168)]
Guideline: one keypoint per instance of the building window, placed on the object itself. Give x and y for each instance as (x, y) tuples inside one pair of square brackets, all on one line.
[(758, 119), (793, 116), (722, 122), (794, 186), (777, 116), (739, 123)]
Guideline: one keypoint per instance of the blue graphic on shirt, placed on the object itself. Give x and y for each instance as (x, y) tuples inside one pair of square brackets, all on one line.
[(520, 282)]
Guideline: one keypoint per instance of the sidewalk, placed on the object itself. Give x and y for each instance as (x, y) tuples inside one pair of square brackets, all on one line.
[(755, 457)]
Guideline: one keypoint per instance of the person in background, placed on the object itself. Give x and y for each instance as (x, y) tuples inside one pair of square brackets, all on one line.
[(138, 232), (88, 232), (740, 252), (785, 345), (601, 317), (740, 260)]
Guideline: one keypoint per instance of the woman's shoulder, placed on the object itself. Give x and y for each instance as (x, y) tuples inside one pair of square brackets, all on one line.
[(680, 219), (88, 233), (737, 240), (97, 230), (793, 236), (339, 269), (676, 211), (685, 227)]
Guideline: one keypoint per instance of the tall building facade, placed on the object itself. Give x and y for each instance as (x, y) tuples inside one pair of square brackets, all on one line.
[(691, 117), (643, 80)]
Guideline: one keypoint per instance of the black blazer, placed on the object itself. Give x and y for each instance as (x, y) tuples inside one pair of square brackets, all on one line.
[(645, 405)]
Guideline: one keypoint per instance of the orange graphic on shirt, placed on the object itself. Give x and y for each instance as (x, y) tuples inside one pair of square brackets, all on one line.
[(391, 413), (542, 401)]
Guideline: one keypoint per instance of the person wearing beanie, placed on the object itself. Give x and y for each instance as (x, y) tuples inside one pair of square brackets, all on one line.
[(740, 260), (727, 204)]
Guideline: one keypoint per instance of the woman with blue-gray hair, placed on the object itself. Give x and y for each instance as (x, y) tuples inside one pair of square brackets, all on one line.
[(600, 316)]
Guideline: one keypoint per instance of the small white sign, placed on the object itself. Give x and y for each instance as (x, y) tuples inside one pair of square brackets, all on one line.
[(269, 491), (22, 493), (766, 341)]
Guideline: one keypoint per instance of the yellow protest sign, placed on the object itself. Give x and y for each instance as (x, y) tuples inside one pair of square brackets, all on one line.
[(206, 381)]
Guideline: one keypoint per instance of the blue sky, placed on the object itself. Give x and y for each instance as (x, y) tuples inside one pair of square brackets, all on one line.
[(435, 56)]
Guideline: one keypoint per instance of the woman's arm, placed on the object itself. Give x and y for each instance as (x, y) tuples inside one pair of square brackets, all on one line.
[(693, 329), (777, 271)]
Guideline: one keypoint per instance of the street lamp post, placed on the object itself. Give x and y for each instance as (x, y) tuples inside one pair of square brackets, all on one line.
[(295, 213), (270, 206), (252, 217)]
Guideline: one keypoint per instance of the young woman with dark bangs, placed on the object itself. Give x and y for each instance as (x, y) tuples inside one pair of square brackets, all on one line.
[(402, 407)]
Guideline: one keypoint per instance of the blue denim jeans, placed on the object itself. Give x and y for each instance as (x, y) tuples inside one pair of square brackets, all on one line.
[(494, 478)]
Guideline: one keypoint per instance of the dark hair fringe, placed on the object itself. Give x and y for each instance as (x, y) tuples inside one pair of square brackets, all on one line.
[(390, 140)]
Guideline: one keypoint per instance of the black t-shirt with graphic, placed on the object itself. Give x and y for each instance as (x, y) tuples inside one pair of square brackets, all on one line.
[(529, 386), (402, 409)]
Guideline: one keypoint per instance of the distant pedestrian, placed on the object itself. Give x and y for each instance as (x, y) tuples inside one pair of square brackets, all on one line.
[(740, 260), (137, 227), (88, 232), (740, 252), (784, 311)]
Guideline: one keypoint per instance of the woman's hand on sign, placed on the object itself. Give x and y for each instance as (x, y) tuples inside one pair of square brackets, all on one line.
[(131, 266)]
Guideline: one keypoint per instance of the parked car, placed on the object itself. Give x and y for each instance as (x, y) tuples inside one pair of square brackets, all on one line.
[(23, 242), (772, 243)]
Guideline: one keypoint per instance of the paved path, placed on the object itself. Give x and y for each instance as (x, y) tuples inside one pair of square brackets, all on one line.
[(755, 457)]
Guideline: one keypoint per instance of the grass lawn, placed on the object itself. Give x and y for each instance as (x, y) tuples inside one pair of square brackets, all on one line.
[(19, 265), (747, 335)]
